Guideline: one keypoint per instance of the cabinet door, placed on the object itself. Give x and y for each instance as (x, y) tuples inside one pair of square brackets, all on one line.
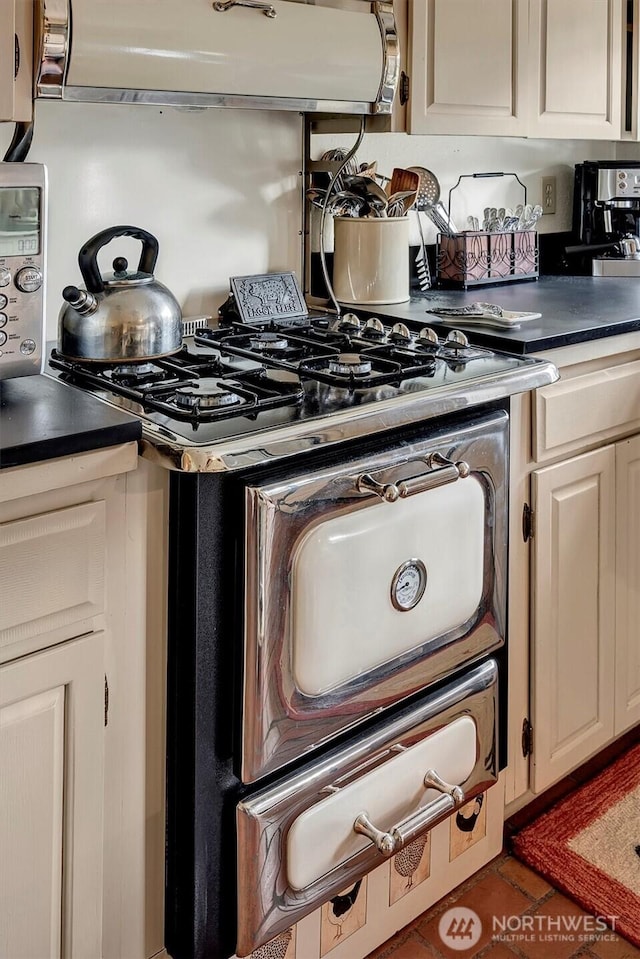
[(576, 69), (573, 606), (51, 787), (468, 67), (628, 584)]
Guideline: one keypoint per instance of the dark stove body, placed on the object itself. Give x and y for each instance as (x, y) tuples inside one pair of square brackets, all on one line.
[(204, 695)]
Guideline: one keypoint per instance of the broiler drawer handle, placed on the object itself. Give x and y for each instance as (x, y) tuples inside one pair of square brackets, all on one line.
[(268, 9), (400, 835), (448, 472)]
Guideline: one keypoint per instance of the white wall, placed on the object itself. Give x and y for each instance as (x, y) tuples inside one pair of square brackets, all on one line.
[(450, 156), (220, 189)]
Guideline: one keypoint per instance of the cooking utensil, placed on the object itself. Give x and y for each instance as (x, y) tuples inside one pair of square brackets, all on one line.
[(338, 155), (400, 203), (370, 191), (123, 315), (428, 187), (342, 203), (439, 216), (428, 194), (402, 180)]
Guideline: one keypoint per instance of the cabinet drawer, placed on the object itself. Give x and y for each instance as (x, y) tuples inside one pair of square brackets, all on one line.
[(581, 410), (51, 575)]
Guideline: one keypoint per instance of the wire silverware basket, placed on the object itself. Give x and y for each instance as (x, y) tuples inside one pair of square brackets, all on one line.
[(479, 257)]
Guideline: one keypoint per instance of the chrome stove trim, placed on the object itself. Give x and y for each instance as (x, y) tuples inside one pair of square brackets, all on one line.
[(280, 723), (267, 446), (51, 48), (266, 903), (383, 10), (177, 98)]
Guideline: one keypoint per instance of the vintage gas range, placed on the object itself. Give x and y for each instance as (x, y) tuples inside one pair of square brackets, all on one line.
[(337, 603)]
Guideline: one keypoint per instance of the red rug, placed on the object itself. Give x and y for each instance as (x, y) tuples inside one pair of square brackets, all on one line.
[(588, 845)]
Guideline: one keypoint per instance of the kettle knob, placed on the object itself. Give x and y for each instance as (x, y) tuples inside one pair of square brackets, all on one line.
[(88, 255), (120, 266)]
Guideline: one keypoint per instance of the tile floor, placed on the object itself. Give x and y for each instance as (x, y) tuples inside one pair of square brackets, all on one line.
[(508, 887)]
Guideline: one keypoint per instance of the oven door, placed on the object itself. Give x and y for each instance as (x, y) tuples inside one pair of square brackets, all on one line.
[(367, 581), (324, 827)]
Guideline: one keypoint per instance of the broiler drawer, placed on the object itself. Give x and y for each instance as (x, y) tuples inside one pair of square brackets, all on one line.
[(328, 824)]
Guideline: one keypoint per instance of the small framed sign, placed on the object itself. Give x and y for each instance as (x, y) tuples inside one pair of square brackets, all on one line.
[(268, 296)]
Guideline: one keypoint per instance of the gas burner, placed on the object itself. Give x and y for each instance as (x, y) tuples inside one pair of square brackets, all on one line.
[(205, 396), (133, 369), (133, 374), (269, 341), (350, 364)]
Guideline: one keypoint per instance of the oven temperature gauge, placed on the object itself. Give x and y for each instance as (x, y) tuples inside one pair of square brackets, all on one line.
[(408, 584)]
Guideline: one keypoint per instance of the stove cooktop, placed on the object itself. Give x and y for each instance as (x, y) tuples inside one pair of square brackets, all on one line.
[(230, 382)]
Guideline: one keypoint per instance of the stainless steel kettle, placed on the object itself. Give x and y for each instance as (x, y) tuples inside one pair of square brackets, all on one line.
[(123, 316)]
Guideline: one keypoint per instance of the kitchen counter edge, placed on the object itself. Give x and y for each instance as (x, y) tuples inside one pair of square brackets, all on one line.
[(43, 419)]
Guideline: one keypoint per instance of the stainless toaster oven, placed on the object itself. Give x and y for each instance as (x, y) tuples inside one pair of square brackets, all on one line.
[(23, 257)]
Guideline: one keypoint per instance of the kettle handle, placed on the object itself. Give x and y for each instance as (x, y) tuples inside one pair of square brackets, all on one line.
[(88, 255)]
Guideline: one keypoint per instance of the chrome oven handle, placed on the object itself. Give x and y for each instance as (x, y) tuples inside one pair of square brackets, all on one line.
[(267, 8), (400, 835), (441, 471)]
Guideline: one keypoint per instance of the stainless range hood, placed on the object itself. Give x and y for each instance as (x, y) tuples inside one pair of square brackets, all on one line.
[(323, 56)]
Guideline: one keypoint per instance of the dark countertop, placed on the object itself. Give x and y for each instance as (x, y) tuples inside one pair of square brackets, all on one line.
[(574, 309), (41, 419)]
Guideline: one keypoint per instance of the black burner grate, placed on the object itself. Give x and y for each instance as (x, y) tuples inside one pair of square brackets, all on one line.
[(187, 387)]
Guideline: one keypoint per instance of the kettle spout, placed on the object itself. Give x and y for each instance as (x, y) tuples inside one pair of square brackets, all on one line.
[(82, 302)]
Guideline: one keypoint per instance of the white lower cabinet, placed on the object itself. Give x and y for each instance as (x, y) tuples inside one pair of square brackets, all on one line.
[(51, 802), (586, 606), (627, 691), (82, 547)]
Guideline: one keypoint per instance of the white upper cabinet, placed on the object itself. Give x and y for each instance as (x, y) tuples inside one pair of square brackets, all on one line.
[(468, 66), (537, 68), (576, 68)]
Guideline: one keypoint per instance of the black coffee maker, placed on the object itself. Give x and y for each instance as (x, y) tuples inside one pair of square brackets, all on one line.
[(606, 218)]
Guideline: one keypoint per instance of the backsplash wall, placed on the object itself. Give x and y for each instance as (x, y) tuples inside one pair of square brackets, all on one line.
[(221, 188), (450, 156)]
